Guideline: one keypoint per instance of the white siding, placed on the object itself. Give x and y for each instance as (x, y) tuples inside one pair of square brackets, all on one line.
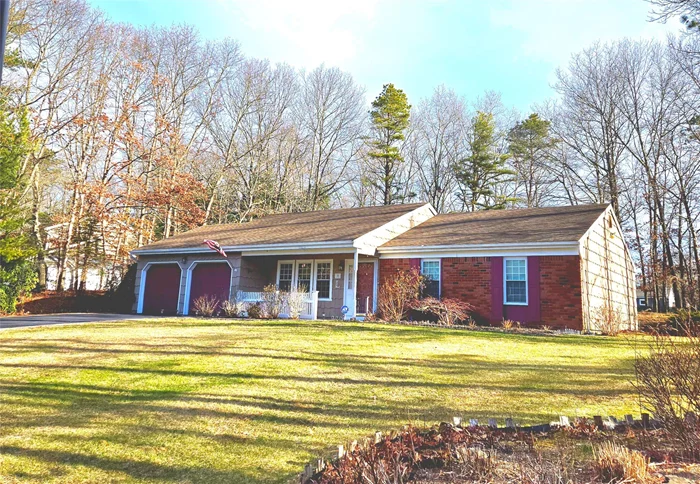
[(607, 273), (368, 243)]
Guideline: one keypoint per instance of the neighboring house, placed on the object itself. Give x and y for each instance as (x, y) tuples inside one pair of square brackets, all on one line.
[(565, 267), (646, 301), (91, 278)]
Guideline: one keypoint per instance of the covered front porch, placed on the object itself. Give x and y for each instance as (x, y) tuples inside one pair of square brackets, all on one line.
[(340, 285)]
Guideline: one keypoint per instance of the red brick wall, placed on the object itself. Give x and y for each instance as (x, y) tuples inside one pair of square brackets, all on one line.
[(560, 291), (469, 279), (387, 267)]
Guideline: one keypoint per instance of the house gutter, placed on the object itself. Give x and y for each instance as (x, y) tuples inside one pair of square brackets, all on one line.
[(483, 250), (335, 246)]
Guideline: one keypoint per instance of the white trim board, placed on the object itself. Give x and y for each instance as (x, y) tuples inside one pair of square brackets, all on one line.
[(481, 250), (262, 248)]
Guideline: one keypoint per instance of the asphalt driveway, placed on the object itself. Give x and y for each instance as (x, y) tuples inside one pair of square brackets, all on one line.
[(64, 318)]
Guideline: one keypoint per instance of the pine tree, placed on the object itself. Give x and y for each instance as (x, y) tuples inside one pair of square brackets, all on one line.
[(531, 146), (480, 173), (390, 117)]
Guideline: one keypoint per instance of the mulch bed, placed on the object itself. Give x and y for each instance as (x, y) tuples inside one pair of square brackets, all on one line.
[(457, 454)]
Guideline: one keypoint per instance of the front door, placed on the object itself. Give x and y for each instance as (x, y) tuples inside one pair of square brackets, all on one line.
[(349, 292), (365, 287)]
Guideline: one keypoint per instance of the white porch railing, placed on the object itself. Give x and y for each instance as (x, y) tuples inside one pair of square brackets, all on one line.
[(309, 308)]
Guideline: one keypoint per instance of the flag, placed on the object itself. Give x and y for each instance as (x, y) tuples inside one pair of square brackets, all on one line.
[(213, 245)]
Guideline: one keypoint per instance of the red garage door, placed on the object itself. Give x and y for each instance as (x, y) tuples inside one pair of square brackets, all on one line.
[(162, 289), (210, 279)]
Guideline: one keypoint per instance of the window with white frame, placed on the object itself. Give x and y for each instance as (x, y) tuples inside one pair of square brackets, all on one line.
[(285, 275), (430, 270), (323, 279), (304, 272), (306, 275), (515, 281)]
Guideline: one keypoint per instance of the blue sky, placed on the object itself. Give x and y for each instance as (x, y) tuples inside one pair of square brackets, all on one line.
[(510, 46)]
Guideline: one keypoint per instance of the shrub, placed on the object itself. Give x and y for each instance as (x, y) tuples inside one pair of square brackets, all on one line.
[(686, 320), (616, 463), (16, 280), (607, 319), (510, 325), (272, 301), (295, 302), (255, 311), (447, 311), (206, 305), (398, 294), (668, 384), (121, 298), (233, 308)]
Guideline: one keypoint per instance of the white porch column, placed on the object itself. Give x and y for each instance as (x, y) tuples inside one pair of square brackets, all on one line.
[(355, 261), (314, 305)]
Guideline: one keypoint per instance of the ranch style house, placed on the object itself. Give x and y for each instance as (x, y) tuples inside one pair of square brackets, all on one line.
[(564, 267)]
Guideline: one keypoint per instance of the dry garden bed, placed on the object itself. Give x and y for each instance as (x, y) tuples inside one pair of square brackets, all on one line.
[(582, 453)]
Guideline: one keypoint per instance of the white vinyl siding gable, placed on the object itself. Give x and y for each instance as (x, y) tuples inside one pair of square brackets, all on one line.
[(607, 275)]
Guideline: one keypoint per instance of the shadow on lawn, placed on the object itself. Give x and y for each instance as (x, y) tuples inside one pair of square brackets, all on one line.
[(133, 468), (447, 364), (451, 366)]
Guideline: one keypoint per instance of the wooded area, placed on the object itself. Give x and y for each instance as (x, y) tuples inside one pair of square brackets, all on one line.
[(114, 136)]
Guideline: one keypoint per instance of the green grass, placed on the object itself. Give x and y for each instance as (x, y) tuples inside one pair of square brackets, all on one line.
[(186, 400)]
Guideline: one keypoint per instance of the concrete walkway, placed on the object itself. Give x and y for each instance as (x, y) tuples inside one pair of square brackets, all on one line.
[(9, 322)]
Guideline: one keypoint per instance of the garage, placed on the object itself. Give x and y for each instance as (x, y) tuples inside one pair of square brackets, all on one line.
[(162, 289), (209, 279)]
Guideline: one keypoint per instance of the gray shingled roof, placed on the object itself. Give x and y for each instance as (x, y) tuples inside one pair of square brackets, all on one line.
[(530, 225), (289, 228)]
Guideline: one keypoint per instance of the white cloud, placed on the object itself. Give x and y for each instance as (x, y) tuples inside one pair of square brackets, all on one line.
[(305, 32)]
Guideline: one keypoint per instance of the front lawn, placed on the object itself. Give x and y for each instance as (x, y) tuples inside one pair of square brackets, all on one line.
[(187, 400)]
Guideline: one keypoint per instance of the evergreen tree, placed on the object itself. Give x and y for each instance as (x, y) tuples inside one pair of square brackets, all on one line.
[(17, 274), (531, 146), (481, 173), (390, 117)]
